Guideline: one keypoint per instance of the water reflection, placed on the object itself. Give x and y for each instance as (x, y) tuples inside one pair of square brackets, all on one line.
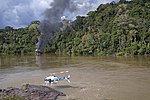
[(38, 61), (52, 61), (92, 78)]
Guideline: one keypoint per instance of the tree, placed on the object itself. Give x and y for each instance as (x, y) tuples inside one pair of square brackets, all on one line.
[(8, 28), (122, 1)]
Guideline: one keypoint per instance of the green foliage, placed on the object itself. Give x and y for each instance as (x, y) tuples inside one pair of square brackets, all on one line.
[(18, 41), (114, 28), (122, 1)]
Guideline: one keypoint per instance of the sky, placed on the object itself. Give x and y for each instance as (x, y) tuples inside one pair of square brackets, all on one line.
[(20, 13)]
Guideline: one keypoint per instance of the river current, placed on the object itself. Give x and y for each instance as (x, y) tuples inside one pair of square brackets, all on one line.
[(92, 78)]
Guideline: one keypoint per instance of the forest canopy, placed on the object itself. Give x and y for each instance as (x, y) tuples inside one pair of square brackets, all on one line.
[(121, 28)]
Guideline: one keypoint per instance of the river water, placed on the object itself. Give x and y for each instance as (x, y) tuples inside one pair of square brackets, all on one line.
[(92, 78)]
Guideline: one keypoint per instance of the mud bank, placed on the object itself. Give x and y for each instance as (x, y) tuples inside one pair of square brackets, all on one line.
[(31, 92)]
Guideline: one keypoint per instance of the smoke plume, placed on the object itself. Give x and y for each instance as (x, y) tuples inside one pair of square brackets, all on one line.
[(52, 22), (62, 9)]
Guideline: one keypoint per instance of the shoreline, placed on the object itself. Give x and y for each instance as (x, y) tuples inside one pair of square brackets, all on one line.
[(30, 92)]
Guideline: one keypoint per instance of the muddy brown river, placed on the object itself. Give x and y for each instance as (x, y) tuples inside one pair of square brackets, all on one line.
[(92, 78)]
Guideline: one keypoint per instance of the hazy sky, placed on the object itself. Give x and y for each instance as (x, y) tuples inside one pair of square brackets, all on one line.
[(19, 13)]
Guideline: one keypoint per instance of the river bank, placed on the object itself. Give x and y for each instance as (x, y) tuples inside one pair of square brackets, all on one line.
[(30, 92)]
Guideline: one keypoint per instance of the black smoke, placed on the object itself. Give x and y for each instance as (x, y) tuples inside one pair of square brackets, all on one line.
[(52, 22)]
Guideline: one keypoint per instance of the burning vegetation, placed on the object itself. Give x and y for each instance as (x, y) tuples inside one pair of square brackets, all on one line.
[(54, 22), (120, 28)]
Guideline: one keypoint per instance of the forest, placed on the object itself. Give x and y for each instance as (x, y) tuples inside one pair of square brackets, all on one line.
[(116, 28)]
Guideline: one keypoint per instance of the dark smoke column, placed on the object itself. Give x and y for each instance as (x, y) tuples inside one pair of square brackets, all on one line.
[(51, 23)]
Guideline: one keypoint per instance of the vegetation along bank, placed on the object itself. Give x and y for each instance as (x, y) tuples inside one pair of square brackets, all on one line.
[(121, 28)]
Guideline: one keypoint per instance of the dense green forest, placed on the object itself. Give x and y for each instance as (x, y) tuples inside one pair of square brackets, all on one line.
[(121, 28), (19, 41)]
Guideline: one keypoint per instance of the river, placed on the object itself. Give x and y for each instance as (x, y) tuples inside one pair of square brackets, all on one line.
[(92, 78)]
